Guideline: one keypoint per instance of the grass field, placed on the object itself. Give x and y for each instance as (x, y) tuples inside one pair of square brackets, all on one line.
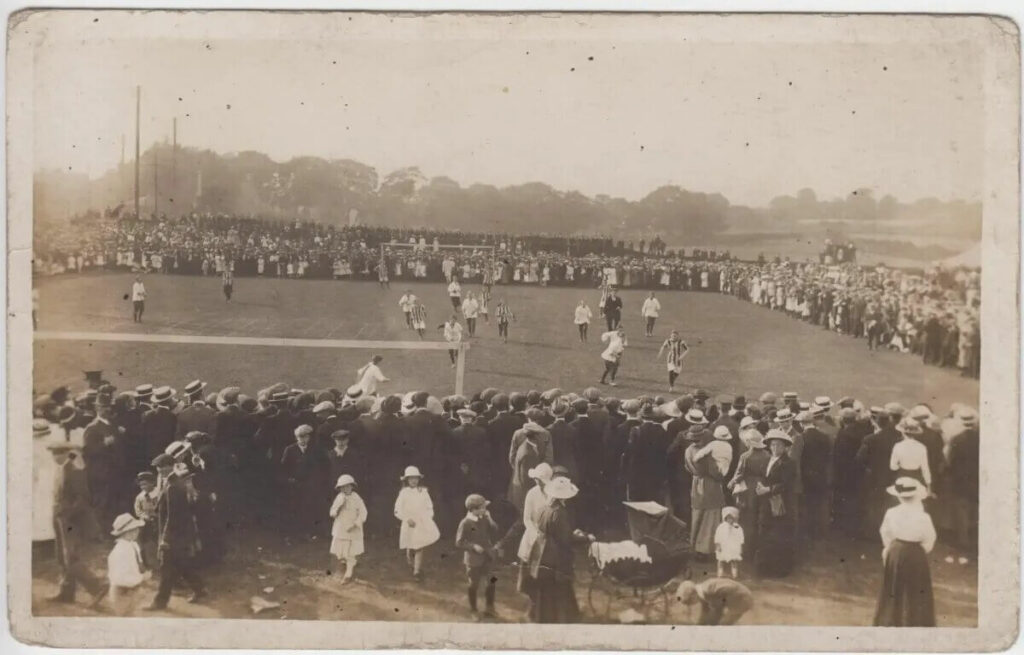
[(737, 348)]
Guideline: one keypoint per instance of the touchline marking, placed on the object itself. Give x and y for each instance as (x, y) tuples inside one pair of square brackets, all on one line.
[(45, 335)]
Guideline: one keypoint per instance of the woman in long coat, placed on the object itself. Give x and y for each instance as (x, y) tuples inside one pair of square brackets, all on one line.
[(553, 598), (908, 535), (776, 522), (706, 496), (529, 452), (751, 471)]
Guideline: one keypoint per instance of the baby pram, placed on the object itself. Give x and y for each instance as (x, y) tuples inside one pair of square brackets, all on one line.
[(640, 569)]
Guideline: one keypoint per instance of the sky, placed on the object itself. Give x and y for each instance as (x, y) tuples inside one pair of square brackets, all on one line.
[(751, 113)]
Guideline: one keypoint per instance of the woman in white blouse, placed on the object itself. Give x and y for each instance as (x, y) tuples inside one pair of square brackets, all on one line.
[(908, 535)]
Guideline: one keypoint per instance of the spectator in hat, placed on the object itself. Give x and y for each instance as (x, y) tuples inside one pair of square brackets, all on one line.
[(344, 458), (73, 519), (848, 476), (909, 456), (563, 439), (751, 470), (589, 459), (44, 472), (531, 445), (471, 455), (415, 511), (719, 449), (476, 536), (908, 535), (177, 537), (302, 473), (126, 570), (551, 572), (874, 457), (500, 431), (815, 477), (349, 514), (196, 415), (393, 449), (776, 520), (159, 424), (964, 474), (706, 496), (104, 463)]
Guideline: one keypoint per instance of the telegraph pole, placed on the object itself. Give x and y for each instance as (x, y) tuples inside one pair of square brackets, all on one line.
[(138, 104), (174, 160), (156, 188)]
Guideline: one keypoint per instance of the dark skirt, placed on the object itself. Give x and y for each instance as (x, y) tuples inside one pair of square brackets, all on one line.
[(775, 548), (552, 598), (906, 596)]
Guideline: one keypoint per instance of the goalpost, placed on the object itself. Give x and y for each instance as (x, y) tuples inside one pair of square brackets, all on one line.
[(274, 342)]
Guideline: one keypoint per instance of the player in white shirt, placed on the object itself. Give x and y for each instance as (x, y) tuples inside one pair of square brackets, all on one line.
[(612, 355), (407, 302), (582, 319), (650, 311), (370, 375), (470, 310), (455, 293), (453, 335), (138, 299)]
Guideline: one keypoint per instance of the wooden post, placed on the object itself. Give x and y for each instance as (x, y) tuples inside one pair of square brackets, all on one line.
[(460, 368)]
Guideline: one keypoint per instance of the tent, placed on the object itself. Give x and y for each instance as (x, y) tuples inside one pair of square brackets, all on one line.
[(970, 258)]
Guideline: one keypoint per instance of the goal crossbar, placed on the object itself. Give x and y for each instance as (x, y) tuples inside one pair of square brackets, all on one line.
[(121, 337)]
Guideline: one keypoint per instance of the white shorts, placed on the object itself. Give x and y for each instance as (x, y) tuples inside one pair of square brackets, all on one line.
[(419, 325), (677, 368)]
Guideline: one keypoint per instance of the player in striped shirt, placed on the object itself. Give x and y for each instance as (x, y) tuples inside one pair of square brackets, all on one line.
[(505, 316), (227, 280), (419, 317), (677, 350)]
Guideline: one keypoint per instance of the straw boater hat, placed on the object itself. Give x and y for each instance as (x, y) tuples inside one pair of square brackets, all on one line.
[(144, 391), (40, 428), (125, 522), (411, 472), (194, 387), (784, 415), (907, 488), (178, 449), (560, 489), (345, 479), (163, 394), (542, 472), (696, 417)]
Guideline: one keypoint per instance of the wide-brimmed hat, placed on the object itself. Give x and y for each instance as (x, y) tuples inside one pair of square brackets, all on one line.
[(40, 427), (561, 489), (695, 432), (789, 396), (909, 427), (778, 435), (411, 472), (125, 522), (344, 480), (822, 403), (696, 417), (748, 422), (542, 472), (722, 433), (908, 488), (755, 440)]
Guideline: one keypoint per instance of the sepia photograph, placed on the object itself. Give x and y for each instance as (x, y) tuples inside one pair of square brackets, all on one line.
[(608, 321)]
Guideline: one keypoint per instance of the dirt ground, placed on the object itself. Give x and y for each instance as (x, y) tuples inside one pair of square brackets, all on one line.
[(737, 348)]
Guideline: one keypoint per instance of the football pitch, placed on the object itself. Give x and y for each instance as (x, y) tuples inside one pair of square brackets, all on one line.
[(736, 347)]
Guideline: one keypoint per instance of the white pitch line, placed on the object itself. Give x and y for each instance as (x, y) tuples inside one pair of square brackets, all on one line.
[(46, 335)]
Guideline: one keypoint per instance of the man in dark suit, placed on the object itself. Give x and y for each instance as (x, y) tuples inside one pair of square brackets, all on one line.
[(613, 474), (499, 437), (159, 424), (873, 456), (644, 464), (395, 453), (848, 475), (563, 441), (429, 436), (589, 449), (612, 310), (196, 416), (177, 538), (104, 458), (816, 474), (964, 476), (72, 520), (303, 476)]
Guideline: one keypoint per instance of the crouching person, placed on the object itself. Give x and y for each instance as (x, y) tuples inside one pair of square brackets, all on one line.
[(722, 601)]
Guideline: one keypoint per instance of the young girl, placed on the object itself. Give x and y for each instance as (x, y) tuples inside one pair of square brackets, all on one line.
[(729, 543), (349, 514), (125, 569), (416, 512)]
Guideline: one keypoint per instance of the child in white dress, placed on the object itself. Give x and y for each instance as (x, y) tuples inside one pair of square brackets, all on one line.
[(416, 512), (349, 514), (729, 543)]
